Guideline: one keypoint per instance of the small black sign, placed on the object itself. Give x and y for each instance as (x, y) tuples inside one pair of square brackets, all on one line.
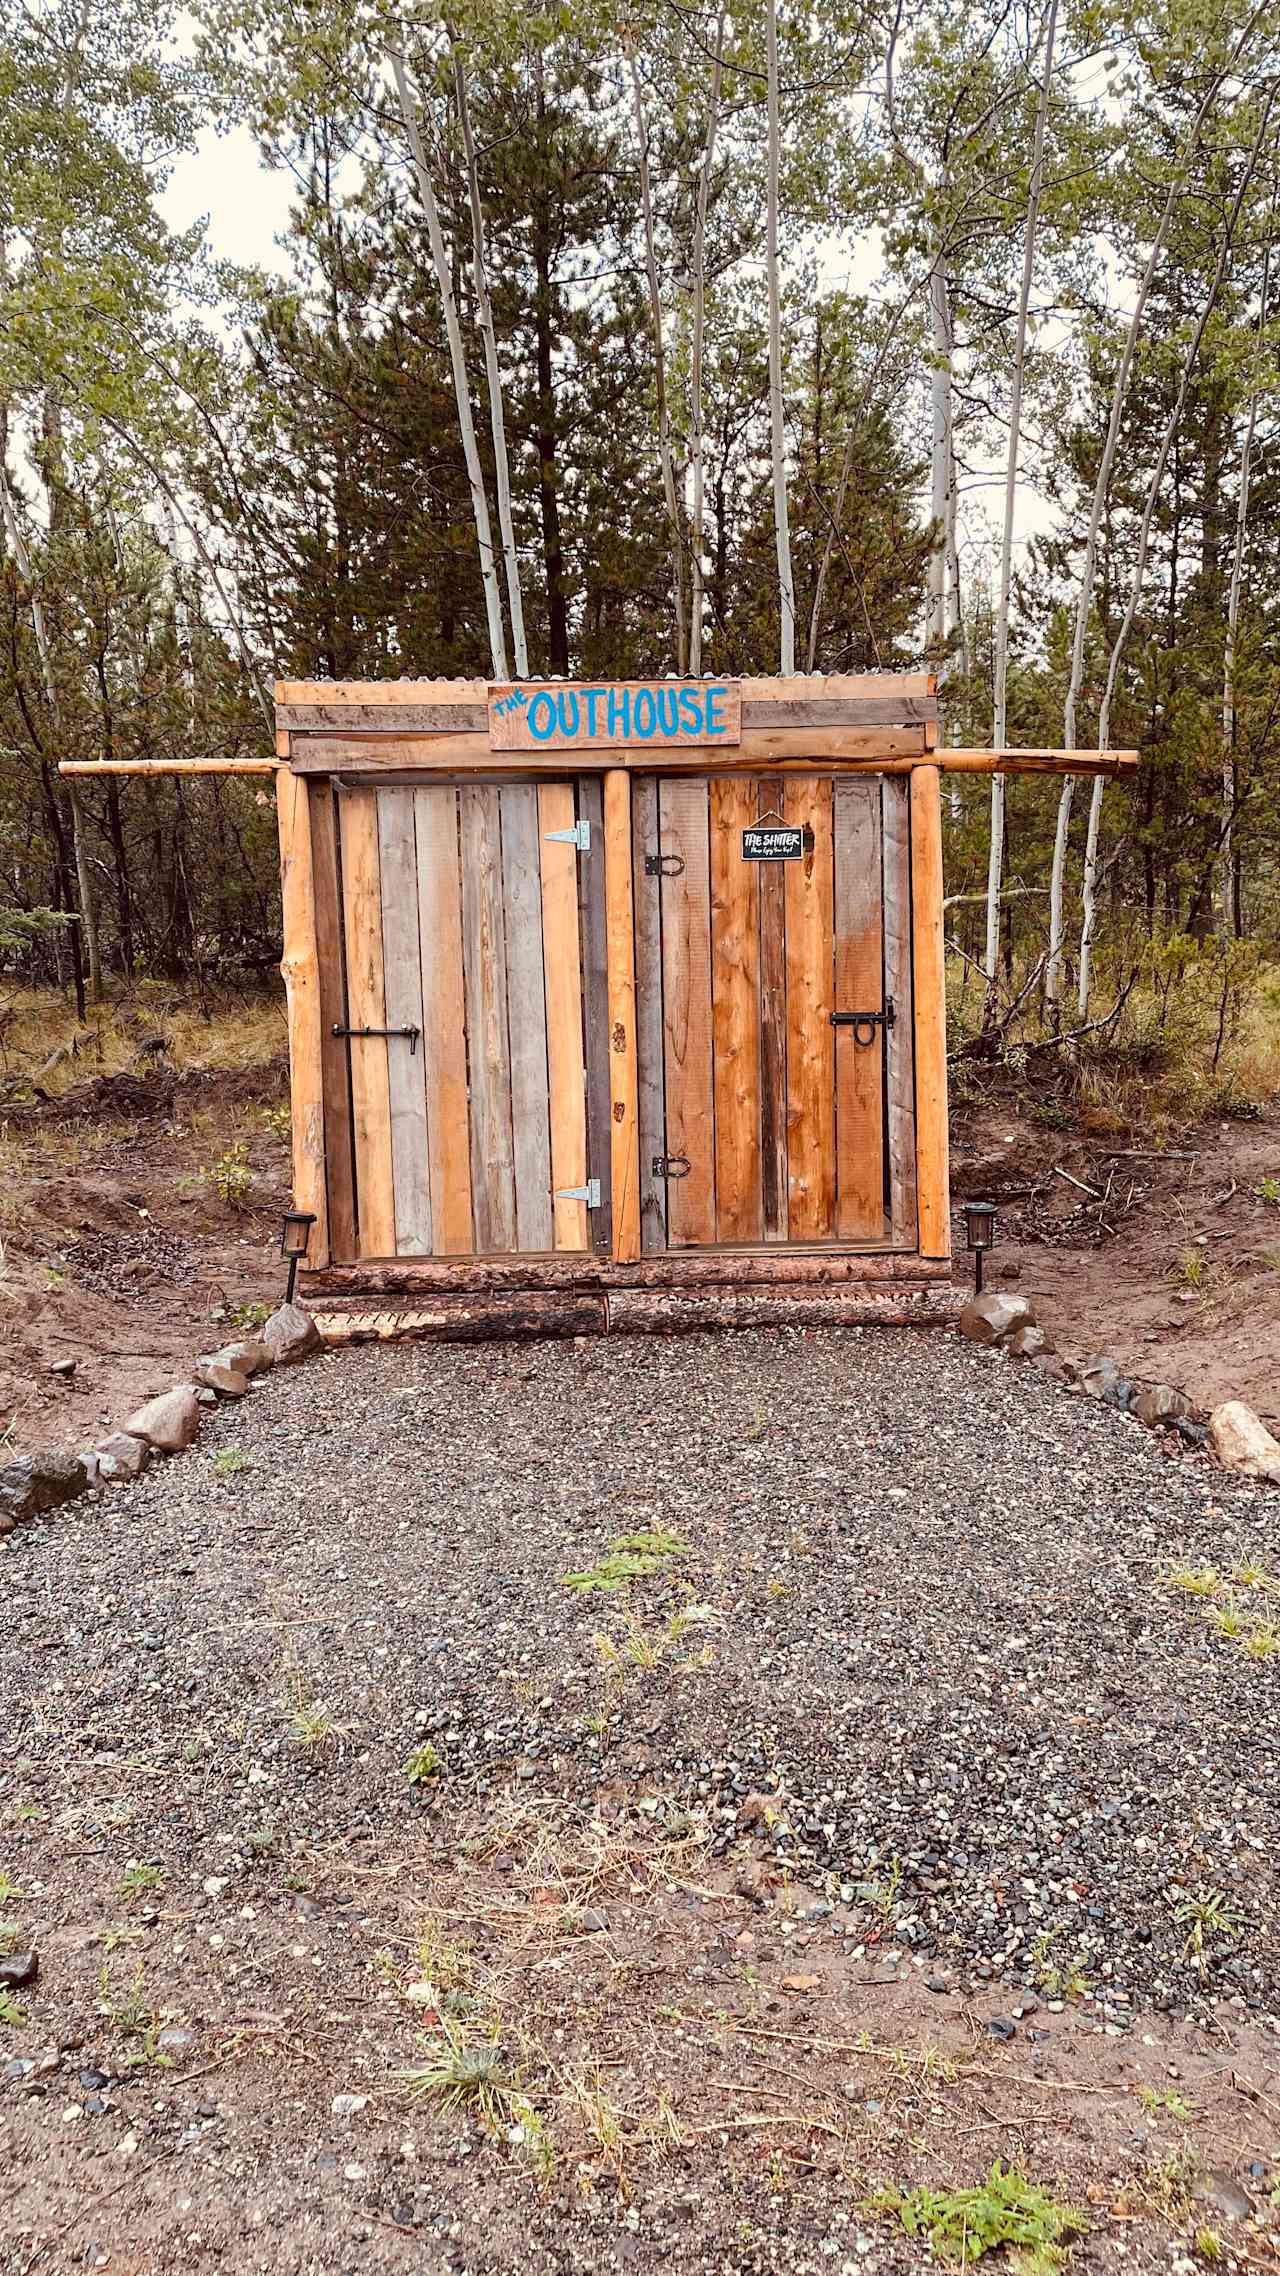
[(773, 841)]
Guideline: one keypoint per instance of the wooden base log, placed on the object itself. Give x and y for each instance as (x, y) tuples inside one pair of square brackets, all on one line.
[(417, 1279), (657, 1312)]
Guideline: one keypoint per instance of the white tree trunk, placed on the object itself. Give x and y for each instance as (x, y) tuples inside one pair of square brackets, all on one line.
[(1084, 600), (1227, 890), (1138, 577), (940, 453), (698, 265), (666, 455), (777, 430), (1000, 728), (493, 377), (462, 394)]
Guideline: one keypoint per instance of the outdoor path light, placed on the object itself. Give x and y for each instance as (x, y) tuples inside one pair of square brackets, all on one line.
[(980, 1232), (294, 1242)]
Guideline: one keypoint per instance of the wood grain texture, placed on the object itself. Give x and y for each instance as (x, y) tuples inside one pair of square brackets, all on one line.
[(402, 987), (650, 1074), (712, 1268), (686, 1012), (335, 1059), (933, 1189), (735, 1012), (366, 1005), (595, 1010), (526, 1015), (773, 1027), (444, 1020), (461, 753), (561, 952), (898, 985), (484, 964), (859, 923), (299, 967), (780, 687), (623, 1077), (811, 1100)]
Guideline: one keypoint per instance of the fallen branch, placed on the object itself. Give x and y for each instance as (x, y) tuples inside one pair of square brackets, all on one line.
[(1079, 1182)]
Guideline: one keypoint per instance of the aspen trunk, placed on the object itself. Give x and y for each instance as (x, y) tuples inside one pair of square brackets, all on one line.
[(493, 378), (666, 456), (462, 394), (1230, 909), (777, 430), (697, 453), (999, 729), (935, 626)]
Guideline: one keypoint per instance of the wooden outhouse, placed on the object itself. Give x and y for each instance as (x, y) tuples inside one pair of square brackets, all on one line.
[(618, 1004)]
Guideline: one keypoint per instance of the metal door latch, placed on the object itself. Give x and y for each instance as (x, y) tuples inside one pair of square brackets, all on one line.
[(664, 865), (590, 1193), (412, 1032), (579, 836), (864, 1024), (671, 1165)]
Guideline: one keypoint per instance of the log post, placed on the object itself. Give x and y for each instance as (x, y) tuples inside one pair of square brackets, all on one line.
[(300, 970), (929, 988)]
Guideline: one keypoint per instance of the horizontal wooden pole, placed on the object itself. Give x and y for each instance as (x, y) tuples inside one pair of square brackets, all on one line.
[(418, 1277), (646, 1312), (167, 766), (1036, 762)]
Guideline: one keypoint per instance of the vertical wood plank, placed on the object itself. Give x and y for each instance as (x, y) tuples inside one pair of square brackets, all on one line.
[(859, 920), (299, 967), (484, 964), (335, 1058), (900, 1053), (526, 1015), (686, 1011), (444, 1023), (735, 1012), (811, 1094), (620, 932), (773, 1027), (933, 1189), (595, 1009), (402, 986), (366, 1003), (651, 1114), (562, 959)]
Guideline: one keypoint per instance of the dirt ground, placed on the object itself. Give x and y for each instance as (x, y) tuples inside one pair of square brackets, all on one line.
[(400, 1905)]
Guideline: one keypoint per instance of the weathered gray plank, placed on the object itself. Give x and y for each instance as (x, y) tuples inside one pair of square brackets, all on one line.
[(839, 711), (648, 917), (526, 1016), (859, 941), (493, 1182), (402, 987), (387, 718), (900, 1072)]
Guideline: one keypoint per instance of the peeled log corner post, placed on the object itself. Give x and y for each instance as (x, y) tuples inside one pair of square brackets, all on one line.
[(542, 941)]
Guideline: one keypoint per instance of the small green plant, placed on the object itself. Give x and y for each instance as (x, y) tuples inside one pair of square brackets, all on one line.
[(1250, 1574), (632, 1557), (10, 1938), (1262, 1641), (1208, 2244), (9, 1890), (1206, 1915), (423, 1766), (118, 1934), (229, 1460), (1227, 1620), (27, 1813), (1268, 1190), (279, 1121), (1160, 2104), (1003, 2210), (464, 2073), (10, 2012), (246, 1317), (1188, 1269), (137, 1878), (1193, 1580), (313, 1724), (882, 1895), (231, 1175)]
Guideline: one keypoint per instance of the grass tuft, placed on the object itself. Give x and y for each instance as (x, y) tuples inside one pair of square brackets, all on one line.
[(632, 1557), (1005, 2209)]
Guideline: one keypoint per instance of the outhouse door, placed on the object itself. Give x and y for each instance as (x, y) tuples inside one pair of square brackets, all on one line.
[(774, 1011), (462, 972)]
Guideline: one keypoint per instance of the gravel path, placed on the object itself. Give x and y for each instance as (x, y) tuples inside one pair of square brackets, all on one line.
[(915, 1652)]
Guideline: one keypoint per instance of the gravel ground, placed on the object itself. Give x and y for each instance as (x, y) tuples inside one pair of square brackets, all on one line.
[(914, 1658)]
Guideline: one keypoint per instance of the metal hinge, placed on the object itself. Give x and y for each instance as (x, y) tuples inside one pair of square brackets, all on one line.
[(579, 836), (664, 865), (671, 1165), (590, 1192), (411, 1032)]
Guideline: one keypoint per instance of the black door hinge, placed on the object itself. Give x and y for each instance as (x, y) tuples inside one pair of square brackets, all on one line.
[(411, 1032), (664, 865)]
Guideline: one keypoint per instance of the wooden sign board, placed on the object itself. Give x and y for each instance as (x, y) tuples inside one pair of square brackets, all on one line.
[(775, 841), (585, 716)]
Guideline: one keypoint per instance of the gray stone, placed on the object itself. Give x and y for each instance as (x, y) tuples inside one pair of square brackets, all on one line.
[(1029, 1341), (216, 1374), (64, 1367), (291, 1334), (17, 1968), (349, 2105), (34, 1483), (995, 1315), (175, 2041), (249, 1357), (169, 1423), (121, 1457), (7, 1524), (1052, 1364), (1192, 1433), (1223, 2192), (1158, 1403), (1102, 1379)]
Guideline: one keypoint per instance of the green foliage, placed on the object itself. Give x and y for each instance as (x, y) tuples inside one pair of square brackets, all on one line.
[(463, 2072), (231, 1175), (229, 1461), (1003, 2211), (138, 1880), (423, 1766), (10, 2011), (632, 1557)]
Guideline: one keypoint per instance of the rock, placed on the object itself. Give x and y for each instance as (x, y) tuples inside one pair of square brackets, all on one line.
[(1158, 1403), (35, 1483), (64, 1367), (1007, 1269), (1052, 1364), (291, 1334), (1102, 1379), (1029, 1341), (120, 1457), (1002, 2027), (249, 1357), (169, 1423), (1221, 2190), (1243, 1443), (1190, 1432), (216, 1374), (348, 2105), (175, 2041), (994, 1315), (17, 1968)]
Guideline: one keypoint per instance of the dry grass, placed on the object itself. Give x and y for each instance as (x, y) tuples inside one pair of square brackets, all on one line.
[(234, 1033)]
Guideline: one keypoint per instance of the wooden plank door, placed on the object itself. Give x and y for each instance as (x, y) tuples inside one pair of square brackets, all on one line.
[(767, 1115), (468, 935)]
